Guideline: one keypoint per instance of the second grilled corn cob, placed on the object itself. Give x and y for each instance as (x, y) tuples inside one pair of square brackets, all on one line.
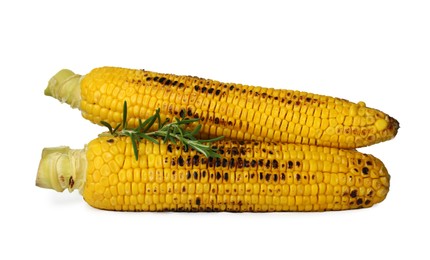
[(236, 111), (250, 176)]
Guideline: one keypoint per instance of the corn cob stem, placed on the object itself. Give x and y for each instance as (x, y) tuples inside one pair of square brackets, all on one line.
[(62, 168), (249, 176), (65, 86)]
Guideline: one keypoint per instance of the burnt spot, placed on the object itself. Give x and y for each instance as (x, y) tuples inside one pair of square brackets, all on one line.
[(252, 175), (196, 88), (289, 102), (239, 163), (204, 174), (298, 177), (275, 164), (211, 90), (231, 164), (290, 164), (234, 150), (184, 189), (218, 162), (174, 83), (216, 120), (189, 112), (71, 182), (198, 201), (260, 162), (367, 202), (298, 164), (217, 92), (359, 161), (188, 175), (368, 163), (275, 177), (365, 170), (161, 80), (359, 201), (218, 175), (283, 176), (253, 163), (169, 148), (196, 175), (195, 160), (168, 82), (182, 113), (204, 89), (231, 87), (268, 175), (189, 159), (110, 141), (246, 163), (148, 78), (353, 194), (181, 85), (173, 162), (224, 162), (156, 78), (180, 161), (260, 175), (225, 176), (268, 164)]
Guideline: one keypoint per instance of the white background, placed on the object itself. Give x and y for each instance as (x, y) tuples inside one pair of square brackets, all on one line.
[(374, 51)]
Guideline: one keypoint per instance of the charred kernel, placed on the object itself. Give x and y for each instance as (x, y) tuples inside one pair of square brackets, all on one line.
[(217, 92), (175, 82), (198, 201), (168, 82), (196, 175), (196, 160), (283, 176), (353, 194), (275, 177), (162, 79), (260, 175), (188, 175), (182, 113), (189, 161), (298, 177), (71, 182), (210, 91), (268, 176), (217, 162), (298, 164), (204, 174), (368, 163), (224, 162), (260, 162), (359, 201), (226, 176), (169, 148), (148, 78), (367, 202), (156, 78), (180, 161), (231, 87), (110, 141), (216, 120), (232, 163), (253, 163), (189, 112), (204, 89), (196, 88), (181, 85), (275, 164), (218, 175), (246, 163), (239, 163), (365, 170), (290, 164), (308, 99)]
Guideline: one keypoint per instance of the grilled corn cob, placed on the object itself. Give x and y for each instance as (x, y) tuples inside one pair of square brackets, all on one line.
[(236, 111), (250, 176)]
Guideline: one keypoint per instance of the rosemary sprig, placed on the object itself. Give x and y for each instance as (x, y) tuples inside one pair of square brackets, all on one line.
[(168, 131)]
